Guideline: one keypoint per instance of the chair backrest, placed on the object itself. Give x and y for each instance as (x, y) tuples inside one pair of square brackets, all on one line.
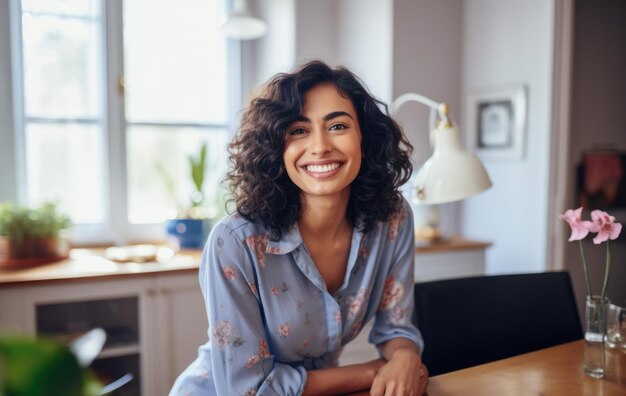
[(471, 321)]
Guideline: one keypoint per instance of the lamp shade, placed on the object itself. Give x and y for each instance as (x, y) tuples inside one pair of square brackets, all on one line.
[(451, 173), (242, 25)]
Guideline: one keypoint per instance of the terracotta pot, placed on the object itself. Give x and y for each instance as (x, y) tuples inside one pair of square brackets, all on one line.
[(32, 251)]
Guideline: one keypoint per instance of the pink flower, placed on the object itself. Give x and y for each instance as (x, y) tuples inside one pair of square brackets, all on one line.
[(355, 303), (229, 272), (258, 244), (222, 333), (392, 294), (252, 360), (580, 229), (284, 330), (264, 351), (394, 224), (605, 226)]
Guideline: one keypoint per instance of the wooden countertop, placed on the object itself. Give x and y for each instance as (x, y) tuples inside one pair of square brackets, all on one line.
[(453, 243), (553, 371), (88, 264)]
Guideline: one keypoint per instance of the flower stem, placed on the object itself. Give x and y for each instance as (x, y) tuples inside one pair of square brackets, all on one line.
[(582, 255), (607, 269)]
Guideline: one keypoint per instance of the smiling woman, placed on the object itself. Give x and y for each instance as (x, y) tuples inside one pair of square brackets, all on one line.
[(321, 243)]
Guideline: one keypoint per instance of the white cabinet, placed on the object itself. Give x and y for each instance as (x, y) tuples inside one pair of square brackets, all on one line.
[(433, 266), (155, 321)]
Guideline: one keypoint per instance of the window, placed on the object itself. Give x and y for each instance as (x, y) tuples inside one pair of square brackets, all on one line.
[(111, 93)]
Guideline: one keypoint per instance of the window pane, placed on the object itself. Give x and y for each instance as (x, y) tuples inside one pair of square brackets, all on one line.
[(149, 200), (84, 8), (61, 74), (174, 62), (64, 163)]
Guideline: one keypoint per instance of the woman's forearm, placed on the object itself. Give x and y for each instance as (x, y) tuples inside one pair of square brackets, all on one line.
[(340, 380), (390, 347)]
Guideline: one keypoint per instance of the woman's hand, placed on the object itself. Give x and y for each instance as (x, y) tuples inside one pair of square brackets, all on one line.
[(342, 380), (403, 375)]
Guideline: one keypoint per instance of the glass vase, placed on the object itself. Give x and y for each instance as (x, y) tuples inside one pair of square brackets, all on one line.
[(596, 310)]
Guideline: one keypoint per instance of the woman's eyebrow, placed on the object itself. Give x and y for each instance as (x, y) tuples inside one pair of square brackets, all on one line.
[(327, 117), (336, 114)]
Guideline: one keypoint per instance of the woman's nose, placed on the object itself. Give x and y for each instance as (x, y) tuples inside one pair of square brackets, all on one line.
[(320, 143)]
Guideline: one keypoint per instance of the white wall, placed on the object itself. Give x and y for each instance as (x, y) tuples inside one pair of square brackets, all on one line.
[(273, 53), (427, 59), (365, 41), (317, 32), (510, 41), (354, 33)]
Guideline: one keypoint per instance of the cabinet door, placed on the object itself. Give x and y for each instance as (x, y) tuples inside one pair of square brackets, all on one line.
[(448, 265), (65, 309), (13, 310), (182, 324)]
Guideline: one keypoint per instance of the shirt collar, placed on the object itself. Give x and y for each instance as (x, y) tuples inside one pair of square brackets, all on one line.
[(287, 243), (292, 239)]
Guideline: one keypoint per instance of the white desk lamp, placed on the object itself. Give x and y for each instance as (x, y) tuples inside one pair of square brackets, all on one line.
[(451, 173), (242, 25)]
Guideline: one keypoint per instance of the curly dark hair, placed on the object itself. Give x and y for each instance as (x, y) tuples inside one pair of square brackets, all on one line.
[(258, 181)]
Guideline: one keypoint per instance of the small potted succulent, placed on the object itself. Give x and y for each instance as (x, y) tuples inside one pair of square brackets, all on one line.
[(193, 223), (32, 236)]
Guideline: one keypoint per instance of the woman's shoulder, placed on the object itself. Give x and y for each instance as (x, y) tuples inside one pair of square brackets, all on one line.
[(238, 227), (397, 222)]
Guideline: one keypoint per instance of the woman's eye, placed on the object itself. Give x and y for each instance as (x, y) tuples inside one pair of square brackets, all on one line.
[(297, 131), (338, 127)]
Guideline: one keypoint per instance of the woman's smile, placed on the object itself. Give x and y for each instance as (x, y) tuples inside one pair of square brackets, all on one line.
[(324, 169)]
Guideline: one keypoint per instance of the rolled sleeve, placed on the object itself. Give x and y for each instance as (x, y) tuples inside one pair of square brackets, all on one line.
[(394, 316)]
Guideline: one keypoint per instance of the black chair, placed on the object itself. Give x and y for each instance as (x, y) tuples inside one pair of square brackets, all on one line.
[(471, 321)]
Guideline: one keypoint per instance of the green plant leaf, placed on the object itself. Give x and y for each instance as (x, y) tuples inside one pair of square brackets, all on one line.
[(42, 367), (18, 223), (198, 170)]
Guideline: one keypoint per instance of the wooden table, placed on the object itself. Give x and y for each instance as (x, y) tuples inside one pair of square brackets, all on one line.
[(555, 371)]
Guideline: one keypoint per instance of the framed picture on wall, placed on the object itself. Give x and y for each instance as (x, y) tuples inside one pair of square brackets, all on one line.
[(496, 122)]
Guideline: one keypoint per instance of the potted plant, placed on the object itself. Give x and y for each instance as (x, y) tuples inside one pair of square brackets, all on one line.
[(32, 236), (193, 223), (42, 366)]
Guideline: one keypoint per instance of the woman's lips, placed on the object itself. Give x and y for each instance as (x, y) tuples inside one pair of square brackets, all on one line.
[(322, 171)]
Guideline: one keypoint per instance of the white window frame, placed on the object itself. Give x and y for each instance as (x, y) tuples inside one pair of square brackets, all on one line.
[(116, 228)]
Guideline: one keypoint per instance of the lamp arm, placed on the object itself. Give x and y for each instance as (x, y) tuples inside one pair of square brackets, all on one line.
[(412, 97)]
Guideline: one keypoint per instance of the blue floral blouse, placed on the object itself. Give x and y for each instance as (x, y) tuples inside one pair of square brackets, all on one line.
[(271, 317)]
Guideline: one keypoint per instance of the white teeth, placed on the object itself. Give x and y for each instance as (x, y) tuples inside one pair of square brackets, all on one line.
[(322, 168)]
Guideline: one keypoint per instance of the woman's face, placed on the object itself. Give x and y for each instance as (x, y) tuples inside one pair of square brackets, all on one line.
[(323, 147)]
